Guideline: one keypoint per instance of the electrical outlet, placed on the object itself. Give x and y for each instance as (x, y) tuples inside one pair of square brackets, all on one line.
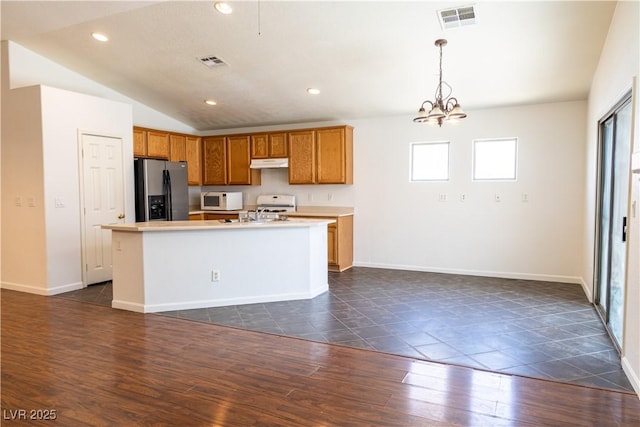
[(463, 197), (525, 197), (329, 196), (442, 197), (497, 198), (215, 275)]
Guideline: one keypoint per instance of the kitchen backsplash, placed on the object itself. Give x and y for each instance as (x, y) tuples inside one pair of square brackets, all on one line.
[(276, 181)]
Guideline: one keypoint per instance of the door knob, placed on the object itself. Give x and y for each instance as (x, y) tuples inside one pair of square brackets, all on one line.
[(121, 216)]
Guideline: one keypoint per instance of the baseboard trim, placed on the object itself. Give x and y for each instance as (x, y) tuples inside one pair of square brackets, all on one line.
[(42, 291), (482, 273), (634, 377), (189, 305)]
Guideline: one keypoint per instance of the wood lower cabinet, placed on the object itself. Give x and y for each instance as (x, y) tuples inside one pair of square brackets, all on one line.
[(220, 216), (339, 241), (196, 217), (321, 156), (226, 161)]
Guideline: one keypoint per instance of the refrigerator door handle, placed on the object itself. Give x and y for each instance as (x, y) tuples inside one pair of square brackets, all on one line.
[(166, 181)]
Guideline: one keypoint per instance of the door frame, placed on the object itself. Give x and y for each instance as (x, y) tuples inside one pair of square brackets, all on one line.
[(83, 237), (624, 99)]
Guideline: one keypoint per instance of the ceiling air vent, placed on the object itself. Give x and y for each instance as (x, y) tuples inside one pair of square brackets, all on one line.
[(212, 61), (457, 17)]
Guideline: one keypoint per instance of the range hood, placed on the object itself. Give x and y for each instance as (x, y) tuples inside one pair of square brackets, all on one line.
[(269, 163)]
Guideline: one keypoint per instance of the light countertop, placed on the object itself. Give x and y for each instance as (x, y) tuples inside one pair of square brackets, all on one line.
[(301, 211), (212, 225)]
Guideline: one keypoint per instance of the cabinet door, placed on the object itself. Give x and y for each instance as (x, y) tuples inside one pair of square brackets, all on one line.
[(302, 157), (193, 149), (278, 145), (177, 148), (158, 144), (239, 159), (218, 217), (259, 146), (332, 244), (139, 143), (331, 152), (215, 160)]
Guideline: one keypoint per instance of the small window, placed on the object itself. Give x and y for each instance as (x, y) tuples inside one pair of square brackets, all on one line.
[(430, 161), (495, 159)]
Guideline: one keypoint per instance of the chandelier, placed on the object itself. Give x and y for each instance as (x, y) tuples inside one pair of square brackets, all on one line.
[(443, 108)]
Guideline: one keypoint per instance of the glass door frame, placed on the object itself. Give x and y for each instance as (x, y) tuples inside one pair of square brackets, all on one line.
[(605, 311)]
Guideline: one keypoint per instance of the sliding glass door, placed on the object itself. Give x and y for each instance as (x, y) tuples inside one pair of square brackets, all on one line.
[(613, 197)]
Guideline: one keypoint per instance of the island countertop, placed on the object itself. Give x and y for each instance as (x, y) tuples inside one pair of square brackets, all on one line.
[(213, 225)]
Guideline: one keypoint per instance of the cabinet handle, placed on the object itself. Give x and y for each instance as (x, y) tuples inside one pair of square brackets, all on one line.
[(624, 228)]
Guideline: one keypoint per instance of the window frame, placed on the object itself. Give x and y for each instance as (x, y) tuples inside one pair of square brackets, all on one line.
[(412, 163), (494, 179)]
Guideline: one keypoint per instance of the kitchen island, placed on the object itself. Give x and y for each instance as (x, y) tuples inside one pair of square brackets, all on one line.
[(178, 265)]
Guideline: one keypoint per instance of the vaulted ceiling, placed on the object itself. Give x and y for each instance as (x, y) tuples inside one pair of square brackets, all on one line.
[(367, 58)]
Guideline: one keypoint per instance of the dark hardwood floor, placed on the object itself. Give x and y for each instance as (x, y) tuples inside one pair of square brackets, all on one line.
[(89, 365)]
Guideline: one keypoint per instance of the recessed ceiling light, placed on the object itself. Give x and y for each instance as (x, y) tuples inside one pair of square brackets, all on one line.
[(210, 102), (100, 37), (313, 91), (223, 7)]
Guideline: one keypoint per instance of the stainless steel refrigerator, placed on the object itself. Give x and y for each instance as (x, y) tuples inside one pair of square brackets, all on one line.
[(162, 192)]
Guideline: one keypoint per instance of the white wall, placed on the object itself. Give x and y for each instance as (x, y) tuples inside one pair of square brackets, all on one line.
[(619, 65), (41, 244), (404, 225), (65, 114), (24, 258), (399, 224)]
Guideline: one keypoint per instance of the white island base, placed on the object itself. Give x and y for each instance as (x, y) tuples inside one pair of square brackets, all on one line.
[(165, 266)]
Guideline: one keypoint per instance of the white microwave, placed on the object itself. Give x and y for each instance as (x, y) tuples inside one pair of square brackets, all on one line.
[(220, 201)]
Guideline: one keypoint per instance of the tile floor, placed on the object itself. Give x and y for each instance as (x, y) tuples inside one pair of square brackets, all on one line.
[(537, 329)]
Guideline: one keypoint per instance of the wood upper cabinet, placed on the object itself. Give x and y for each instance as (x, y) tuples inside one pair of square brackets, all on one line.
[(302, 157), (321, 156), (214, 154), (150, 143), (334, 151), (278, 145), (193, 153), (260, 146), (227, 160), (139, 142), (272, 145), (177, 148), (238, 160), (157, 144)]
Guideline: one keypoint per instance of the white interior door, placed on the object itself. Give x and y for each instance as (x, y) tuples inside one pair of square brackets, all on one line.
[(103, 202)]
